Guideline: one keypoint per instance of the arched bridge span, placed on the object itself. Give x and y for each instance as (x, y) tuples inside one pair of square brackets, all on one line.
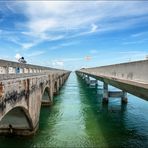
[(22, 94)]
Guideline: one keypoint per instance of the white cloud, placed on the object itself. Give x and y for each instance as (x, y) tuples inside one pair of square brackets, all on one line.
[(36, 53), (139, 34), (17, 56), (63, 45), (94, 28), (54, 20), (58, 63), (27, 45)]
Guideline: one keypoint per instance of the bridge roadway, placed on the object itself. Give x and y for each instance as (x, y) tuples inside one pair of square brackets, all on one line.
[(131, 77), (23, 89)]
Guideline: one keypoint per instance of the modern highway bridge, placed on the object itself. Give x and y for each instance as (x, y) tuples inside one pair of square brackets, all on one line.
[(23, 89), (131, 77)]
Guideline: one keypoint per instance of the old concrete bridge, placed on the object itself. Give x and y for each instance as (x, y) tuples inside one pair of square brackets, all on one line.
[(23, 89), (130, 77)]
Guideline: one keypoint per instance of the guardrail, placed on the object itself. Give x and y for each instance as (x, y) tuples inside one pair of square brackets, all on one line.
[(136, 71), (9, 67)]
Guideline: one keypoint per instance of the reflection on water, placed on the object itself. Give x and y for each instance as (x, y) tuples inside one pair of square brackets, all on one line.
[(79, 119)]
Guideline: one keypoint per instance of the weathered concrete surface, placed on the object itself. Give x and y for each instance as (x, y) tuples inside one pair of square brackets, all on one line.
[(21, 97), (131, 77)]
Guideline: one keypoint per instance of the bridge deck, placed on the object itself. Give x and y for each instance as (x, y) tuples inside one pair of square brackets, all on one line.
[(131, 77)]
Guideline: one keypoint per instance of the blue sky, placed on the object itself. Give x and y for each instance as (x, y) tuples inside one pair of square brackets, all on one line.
[(72, 35)]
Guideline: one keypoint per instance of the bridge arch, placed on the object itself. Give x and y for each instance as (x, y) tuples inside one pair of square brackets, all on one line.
[(17, 120), (46, 96)]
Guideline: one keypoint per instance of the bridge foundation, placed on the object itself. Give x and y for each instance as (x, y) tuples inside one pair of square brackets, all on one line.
[(93, 83), (113, 94), (105, 93), (87, 79), (124, 97), (83, 76)]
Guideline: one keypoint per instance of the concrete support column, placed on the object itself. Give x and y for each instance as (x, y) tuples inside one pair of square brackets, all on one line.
[(58, 84), (87, 79), (62, 80), (96, 83), (124, 97), (56, 88), (105, 93), (83, 76), (51, 88)]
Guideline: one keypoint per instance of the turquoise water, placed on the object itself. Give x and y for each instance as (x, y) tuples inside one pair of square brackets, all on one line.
[(78, 119)]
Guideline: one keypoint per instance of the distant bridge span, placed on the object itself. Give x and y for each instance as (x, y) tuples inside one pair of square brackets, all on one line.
[(23, 89), (130, 77)]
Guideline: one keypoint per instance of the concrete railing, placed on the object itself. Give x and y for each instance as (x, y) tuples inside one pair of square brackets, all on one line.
[(134, 71), (13, 68)]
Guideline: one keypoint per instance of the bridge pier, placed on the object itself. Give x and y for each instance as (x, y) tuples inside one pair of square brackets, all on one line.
[(58, 85), (95, 82), (105, 93), (60, 81), (51, 88), (124, 97), (87, 79), (46, 100), (113, 94), (83, 76)]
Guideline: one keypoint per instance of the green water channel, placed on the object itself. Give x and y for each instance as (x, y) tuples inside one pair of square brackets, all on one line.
[(79, 119)]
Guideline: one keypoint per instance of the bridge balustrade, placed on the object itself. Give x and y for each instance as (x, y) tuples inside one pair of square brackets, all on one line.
[(15, 68)]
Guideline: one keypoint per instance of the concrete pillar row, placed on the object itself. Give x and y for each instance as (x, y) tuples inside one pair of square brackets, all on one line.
[(106, 92)]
